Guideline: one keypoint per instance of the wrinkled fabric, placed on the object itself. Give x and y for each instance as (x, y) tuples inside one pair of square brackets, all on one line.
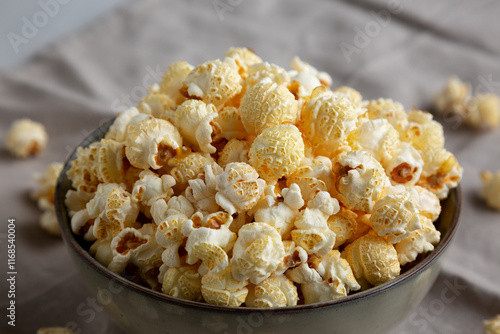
[(404, 52)]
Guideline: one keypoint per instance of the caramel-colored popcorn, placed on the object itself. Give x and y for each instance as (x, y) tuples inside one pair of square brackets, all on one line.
[(26, 137), (241, 183)]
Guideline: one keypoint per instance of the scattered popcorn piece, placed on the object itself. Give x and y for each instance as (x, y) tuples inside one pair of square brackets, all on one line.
[(373, 260), (193, 118), (337, 279), (265, 105), (223, 289), (274, 291), (452, 98), (211, 241), (418, 241), (151, 143), (257, 252), (394, 217), (491, 188), (483, 111), (26, 137), (277, 152), (492, 326), (183, 282), (212, 82), (234, 151), (46, 183), (326, 120), (113, 209), (173, 78), (238, 187), (360, 180), (312, 232)]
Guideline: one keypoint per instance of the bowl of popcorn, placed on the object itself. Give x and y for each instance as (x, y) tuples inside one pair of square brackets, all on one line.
[(241, 197)]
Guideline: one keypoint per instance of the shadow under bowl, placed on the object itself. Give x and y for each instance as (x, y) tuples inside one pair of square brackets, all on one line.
[(137, 309)]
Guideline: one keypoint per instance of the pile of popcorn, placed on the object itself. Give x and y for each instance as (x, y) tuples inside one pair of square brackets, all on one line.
[(237, 182)]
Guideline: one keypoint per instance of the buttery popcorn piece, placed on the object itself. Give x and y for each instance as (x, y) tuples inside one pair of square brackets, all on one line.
[(395, 216), (183, 282), (238, 187), (212, 82), (277, 152), (151, 143), (234, 151), (343, 224), (202, 191), (243, 59), (173, 78), (326, 120), (360, 180), (223, 289), (257, 252), (373, 260), (158, 105), (260, 71), (388, 109), (274, 291), (151, 187), (228, 125), (193, 118), (312, 176), (418, 241), (187, 167), (44, 195), (267, 104), (483, 111), (422, 131), (452, 98), (491, 188), (26, 137), (405, 165)]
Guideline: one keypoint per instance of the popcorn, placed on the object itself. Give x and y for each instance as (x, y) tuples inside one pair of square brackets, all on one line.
[(183, 282), (373, 260), (279, 215), (453, 97), (326, 120), (312, 176), (243, 59), (377, 137), (360, 180), (418, 241), (193, 119), (212, 82), (483, 111), (44, 195), (113, 209), (257, 252), (395, 216), (405, 165), (492, 326), (151, 143), (277, 152), (312, 233), (265, 105), (210, 242), (274, 291), (337, 279), (238, 187), (237, 182), (26, 137), (202, 191), (491, 188), (173, 79), (223, 289), (234, 151)]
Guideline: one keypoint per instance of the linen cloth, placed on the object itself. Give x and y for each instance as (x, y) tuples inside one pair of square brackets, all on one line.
[(398, 49)]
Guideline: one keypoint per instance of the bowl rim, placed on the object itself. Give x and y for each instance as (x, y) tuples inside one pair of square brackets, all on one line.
[(71, 242)]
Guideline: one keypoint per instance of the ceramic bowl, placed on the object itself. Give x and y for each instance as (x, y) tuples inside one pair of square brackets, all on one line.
[(137, 309)]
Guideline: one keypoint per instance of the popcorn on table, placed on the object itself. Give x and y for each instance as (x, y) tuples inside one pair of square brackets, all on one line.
[(240, 183), (25, 138)]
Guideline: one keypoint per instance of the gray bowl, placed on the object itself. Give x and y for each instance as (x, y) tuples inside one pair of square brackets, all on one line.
[(137, 309)]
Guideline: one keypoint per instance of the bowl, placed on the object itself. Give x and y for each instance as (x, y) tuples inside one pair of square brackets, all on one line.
[(137, 309)]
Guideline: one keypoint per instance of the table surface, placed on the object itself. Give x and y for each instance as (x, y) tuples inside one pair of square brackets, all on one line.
[(404, 50)]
